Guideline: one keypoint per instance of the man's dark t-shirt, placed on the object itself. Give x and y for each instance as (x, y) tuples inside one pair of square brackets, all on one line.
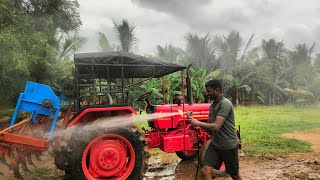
[(226, 137)]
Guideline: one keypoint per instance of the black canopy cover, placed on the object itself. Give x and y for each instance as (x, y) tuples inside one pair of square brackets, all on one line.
[(134, 66)]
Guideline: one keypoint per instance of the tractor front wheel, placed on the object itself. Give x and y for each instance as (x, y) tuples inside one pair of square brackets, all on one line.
[(108, 154)]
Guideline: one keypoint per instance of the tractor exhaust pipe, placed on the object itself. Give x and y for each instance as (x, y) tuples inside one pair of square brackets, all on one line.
[(189, 89)]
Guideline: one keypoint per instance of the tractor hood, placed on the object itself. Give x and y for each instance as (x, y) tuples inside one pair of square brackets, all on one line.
[(199, 112), (134, 66)]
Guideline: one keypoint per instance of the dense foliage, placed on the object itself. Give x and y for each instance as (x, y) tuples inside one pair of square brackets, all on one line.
[(34, 37), (38, 38), (267, 74)]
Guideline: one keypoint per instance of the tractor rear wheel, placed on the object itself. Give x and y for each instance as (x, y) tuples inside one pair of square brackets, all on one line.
[(115, 154), (215, 172), (188, 155)]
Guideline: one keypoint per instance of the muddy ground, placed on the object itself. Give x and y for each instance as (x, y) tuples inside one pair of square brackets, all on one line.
[(167, 166)]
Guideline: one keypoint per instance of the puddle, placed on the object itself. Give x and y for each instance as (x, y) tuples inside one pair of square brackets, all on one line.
[(299, 166), (167, 166)]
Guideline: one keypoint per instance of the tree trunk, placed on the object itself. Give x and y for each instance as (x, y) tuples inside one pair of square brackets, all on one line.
[(234, 99), (270, 98), (237, 97), (273, 98), (243, 97)]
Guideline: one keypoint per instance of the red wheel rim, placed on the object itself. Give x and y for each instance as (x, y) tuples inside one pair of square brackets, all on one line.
[(108, 156)]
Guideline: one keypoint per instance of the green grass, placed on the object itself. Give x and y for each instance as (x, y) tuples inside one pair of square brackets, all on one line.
[(6, 113), (261, 127), (40, 171), (142, 123)]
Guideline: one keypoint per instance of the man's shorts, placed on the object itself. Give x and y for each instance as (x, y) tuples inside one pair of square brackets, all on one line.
[(214, 157)]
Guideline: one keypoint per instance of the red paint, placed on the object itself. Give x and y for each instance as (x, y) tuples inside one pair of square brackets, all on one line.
[(199, 111), (75, 120), (110, 155)]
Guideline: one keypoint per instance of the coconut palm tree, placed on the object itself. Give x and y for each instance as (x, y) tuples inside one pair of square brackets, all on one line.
[(198, 79), (271, 70), (301, 65), (301, 54), (229, 47), (200, 53), (170, 53), (233, 64), (272, 49), (104, 45), (69, 45), (126, 35)]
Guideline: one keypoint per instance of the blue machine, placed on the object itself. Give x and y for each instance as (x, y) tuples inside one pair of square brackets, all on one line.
[(39, 99)]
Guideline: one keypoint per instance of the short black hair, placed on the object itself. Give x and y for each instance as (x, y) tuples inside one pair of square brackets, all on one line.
[(214, 84)]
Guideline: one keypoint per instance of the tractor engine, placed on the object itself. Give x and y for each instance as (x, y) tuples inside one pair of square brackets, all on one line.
[(178, 141), (171, 132)]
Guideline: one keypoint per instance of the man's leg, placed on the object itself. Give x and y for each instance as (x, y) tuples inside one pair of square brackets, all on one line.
[(210, 160), (231, 160), (236, 177), (206, 172)]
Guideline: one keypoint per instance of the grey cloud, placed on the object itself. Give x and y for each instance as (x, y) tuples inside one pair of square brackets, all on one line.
[(297, 34), (175, 7), (168, 21), (216, 15), (91, 33)]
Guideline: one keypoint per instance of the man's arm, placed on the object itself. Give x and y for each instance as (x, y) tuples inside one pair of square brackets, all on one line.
[(210, 126)]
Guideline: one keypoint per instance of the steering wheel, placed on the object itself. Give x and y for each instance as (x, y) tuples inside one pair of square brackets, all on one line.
[(143, 96)]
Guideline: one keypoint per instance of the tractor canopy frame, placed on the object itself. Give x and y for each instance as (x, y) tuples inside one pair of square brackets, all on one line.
[(104, 74)]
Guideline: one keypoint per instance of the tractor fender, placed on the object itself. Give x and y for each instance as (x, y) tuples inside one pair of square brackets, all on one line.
[(93, 113)]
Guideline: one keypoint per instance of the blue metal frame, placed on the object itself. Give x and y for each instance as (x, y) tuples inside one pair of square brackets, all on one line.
[(39, 99)]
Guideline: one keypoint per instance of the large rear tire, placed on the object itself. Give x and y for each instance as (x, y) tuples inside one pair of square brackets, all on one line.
[(115, 154)]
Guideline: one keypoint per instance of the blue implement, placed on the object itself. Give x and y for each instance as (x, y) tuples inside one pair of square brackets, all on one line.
[(39, 99)]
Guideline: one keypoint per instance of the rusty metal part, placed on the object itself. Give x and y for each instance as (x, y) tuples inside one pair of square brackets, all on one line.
[(22, 140), (29, 160), (3, 160)]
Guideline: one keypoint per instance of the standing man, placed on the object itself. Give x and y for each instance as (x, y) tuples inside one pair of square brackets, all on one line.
[(224, 146)]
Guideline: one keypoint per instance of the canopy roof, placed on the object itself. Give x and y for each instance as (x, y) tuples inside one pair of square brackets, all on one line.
[(109, 64)]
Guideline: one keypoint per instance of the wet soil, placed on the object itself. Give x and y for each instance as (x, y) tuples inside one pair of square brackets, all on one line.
[(167, 166), (293, 166), (312, 137), (164, 166), (44, 169)]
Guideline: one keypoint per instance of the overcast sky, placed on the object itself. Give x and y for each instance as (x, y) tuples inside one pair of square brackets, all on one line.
[(168, 21)]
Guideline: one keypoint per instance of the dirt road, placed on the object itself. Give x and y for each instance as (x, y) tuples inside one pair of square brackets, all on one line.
[(167, 166), (293, 166), (262, 167)]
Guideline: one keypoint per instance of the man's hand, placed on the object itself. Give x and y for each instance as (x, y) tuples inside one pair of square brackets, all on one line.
[(189, 115), (191, 120), (194, 122)]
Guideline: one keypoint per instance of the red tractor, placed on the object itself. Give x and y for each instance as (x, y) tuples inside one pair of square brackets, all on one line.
[(101, 141)]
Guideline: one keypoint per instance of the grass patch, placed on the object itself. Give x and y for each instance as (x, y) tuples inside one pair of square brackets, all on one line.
[(261, 127), (142, 123), (6, 113), (40, 171)]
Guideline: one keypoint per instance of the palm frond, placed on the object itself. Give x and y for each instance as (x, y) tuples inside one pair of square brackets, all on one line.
[(246, 48), (104, 45)]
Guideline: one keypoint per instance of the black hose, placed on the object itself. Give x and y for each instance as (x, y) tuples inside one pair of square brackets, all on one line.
[(198, 156)]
